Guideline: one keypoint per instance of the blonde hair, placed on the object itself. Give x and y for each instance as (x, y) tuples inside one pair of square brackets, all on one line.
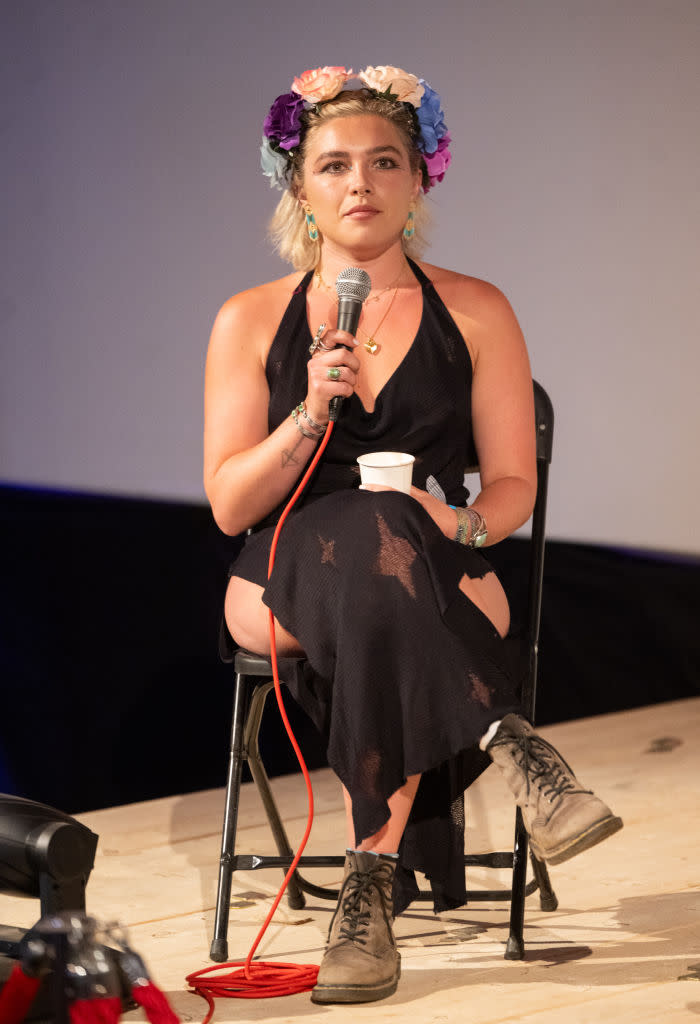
[(287, 228)]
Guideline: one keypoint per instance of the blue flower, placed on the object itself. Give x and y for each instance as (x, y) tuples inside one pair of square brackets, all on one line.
[(274, 165), (431, 119)]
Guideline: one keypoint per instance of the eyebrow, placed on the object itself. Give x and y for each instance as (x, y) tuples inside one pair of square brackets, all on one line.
[(336, 153)]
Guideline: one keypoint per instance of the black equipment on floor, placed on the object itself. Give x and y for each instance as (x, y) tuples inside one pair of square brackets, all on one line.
[(44, 854)]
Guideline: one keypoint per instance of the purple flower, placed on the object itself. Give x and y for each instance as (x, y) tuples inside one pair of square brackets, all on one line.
[(438, 162), (282, 125), (431, 119)]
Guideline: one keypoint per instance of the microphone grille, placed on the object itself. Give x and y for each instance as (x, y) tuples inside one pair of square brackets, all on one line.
[(353, 281)]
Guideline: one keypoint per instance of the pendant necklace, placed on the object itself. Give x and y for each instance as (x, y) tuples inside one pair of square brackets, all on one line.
[(371, 345)]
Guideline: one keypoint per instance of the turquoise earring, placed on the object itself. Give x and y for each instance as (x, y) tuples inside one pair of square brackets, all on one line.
[(311, 224), (409, 229)]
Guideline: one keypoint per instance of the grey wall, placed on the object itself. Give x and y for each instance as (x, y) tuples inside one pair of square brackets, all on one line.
[(130, 133)]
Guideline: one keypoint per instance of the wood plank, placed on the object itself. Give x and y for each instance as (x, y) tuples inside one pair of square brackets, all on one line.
[(624, 946)]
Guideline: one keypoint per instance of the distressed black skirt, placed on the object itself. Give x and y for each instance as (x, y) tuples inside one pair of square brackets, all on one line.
[(403, 673)]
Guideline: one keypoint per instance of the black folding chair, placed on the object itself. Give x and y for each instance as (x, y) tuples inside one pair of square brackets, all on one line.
[(254, 682)]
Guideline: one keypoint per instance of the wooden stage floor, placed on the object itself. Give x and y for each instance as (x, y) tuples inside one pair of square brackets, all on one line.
[(624, 945)]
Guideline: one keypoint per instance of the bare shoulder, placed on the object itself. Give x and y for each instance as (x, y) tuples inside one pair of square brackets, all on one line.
[(235, 389), (251, 317), (471, 296), (479, 308)]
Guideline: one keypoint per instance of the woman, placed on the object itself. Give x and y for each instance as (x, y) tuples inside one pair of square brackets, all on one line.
[(410, 673)]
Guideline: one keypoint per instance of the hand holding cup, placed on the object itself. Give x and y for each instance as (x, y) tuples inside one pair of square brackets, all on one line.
[(387, 469)]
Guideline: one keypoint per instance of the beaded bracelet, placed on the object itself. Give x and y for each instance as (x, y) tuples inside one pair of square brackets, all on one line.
[(320, 428), (312, 435)]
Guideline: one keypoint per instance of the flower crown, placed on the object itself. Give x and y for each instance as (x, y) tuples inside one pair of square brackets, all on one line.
[(283, 127)]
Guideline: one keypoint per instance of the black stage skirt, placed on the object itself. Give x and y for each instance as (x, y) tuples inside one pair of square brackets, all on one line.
[(403, 673)]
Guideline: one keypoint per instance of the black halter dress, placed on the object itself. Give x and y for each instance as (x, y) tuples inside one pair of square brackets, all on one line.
[(403, 674)]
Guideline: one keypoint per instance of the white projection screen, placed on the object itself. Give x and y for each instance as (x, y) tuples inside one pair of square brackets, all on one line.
[(134, 207)]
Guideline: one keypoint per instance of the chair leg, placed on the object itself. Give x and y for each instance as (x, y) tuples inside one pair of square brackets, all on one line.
[(515, 947), (295, 896), (548, 897), (219, 946)]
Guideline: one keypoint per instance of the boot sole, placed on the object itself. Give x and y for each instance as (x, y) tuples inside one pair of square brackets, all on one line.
[(355, 993), (584, 841)]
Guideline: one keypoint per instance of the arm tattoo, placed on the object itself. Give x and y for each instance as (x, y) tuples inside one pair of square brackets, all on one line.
[(289, 457)]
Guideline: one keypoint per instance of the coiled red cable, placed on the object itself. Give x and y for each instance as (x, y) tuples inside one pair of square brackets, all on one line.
[(17, 995), (263, 979)]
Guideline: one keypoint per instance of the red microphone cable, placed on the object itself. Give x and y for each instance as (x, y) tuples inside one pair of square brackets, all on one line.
[(263, 979), (17, 995)]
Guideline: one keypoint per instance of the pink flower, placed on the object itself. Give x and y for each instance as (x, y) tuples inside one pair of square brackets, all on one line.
[(438, 162), (320, 84), (401, 84)]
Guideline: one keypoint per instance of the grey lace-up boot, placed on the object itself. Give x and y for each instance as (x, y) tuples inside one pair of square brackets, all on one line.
[(561, 817), (361, 962)]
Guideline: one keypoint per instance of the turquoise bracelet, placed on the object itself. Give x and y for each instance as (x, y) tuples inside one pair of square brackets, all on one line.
[(477, 527)]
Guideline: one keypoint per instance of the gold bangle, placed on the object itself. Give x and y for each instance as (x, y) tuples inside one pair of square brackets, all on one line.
[(464, 526), (471, 528)]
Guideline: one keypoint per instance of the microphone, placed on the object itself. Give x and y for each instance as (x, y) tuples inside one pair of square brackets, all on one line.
[(353, 285)]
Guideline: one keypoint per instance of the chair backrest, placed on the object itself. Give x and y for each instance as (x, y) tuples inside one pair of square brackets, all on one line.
[(544, 434), (544, 428)]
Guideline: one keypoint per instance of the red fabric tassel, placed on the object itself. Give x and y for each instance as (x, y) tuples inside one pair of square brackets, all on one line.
[(96, 1011), (17, 996), (158, 1009)]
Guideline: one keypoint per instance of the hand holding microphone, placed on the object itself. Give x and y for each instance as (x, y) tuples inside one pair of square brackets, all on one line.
[(353, 286), (335, 365)]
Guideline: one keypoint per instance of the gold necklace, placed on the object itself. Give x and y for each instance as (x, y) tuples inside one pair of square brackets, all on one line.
[(370, 345), (371, 298)]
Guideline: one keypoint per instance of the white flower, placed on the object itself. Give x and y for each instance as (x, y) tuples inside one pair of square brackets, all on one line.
[(404, 86)]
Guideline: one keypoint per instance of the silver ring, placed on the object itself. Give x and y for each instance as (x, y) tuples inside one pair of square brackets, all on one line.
[(333, 373), (316, 343)]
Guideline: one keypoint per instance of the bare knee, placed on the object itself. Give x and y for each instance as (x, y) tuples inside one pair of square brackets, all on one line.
[(490, 598), (248, 620)]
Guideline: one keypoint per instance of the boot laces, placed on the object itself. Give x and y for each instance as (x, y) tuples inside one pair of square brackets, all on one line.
[(544, 767), (355, 901)]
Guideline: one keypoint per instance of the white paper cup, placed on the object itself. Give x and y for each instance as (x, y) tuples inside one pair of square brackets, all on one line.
[(391, 469)]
